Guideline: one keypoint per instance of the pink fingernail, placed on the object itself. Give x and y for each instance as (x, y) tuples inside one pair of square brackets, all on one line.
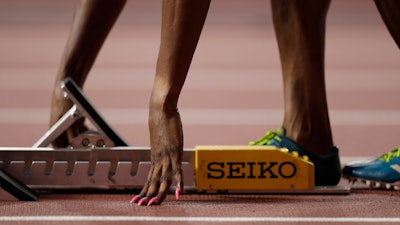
[(142, 201), (152, 201), (135, 199), (177, 193)]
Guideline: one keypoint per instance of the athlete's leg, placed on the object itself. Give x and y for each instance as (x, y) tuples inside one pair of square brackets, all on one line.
[(300, 31), (92, 23)]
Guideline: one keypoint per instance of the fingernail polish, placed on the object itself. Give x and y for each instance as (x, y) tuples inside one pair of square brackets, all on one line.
[(177, 193), (135, 199), (142, 201), (152, 201)]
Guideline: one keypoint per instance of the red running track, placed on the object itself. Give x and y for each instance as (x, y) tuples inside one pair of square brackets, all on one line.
[(233, 94)]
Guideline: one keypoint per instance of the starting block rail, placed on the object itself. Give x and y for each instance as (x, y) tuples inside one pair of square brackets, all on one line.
[(102, 168), (103, 160)]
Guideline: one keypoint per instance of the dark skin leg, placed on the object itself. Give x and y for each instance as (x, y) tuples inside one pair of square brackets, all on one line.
[(390, 13), (182, 23), (92, 22), (300, 32)]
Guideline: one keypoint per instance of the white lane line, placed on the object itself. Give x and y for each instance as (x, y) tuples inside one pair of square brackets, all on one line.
[(123, 116), (202, 219)]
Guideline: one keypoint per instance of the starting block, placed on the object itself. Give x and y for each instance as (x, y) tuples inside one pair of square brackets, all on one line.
[(103, 160)]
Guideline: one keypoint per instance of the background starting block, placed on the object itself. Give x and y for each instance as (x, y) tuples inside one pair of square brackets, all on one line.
[(103, 160)]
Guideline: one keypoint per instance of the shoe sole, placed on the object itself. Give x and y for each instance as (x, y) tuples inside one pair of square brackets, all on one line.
[(374, 184)]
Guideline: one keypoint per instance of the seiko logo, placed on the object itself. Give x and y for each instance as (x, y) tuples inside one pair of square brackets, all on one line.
[(251, 170)]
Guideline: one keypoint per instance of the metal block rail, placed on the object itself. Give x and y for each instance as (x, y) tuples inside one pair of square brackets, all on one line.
[(99, 168)]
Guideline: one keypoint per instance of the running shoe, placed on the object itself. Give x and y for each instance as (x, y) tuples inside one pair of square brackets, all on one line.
[(327, 167), (382, 172)]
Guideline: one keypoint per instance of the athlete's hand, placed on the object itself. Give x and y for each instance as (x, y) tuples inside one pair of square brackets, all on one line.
[(166, 142)]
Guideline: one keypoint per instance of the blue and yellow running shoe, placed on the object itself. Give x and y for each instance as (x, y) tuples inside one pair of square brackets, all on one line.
[(382, 172), (327, 167)]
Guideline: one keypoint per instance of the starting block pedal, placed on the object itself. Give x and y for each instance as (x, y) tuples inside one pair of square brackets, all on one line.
[(81, 108), (251, 168)]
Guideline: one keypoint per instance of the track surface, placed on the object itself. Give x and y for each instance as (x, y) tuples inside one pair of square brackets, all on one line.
[(233, 94)]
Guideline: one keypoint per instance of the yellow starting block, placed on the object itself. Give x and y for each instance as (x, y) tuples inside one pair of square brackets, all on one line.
[(244, 168)]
